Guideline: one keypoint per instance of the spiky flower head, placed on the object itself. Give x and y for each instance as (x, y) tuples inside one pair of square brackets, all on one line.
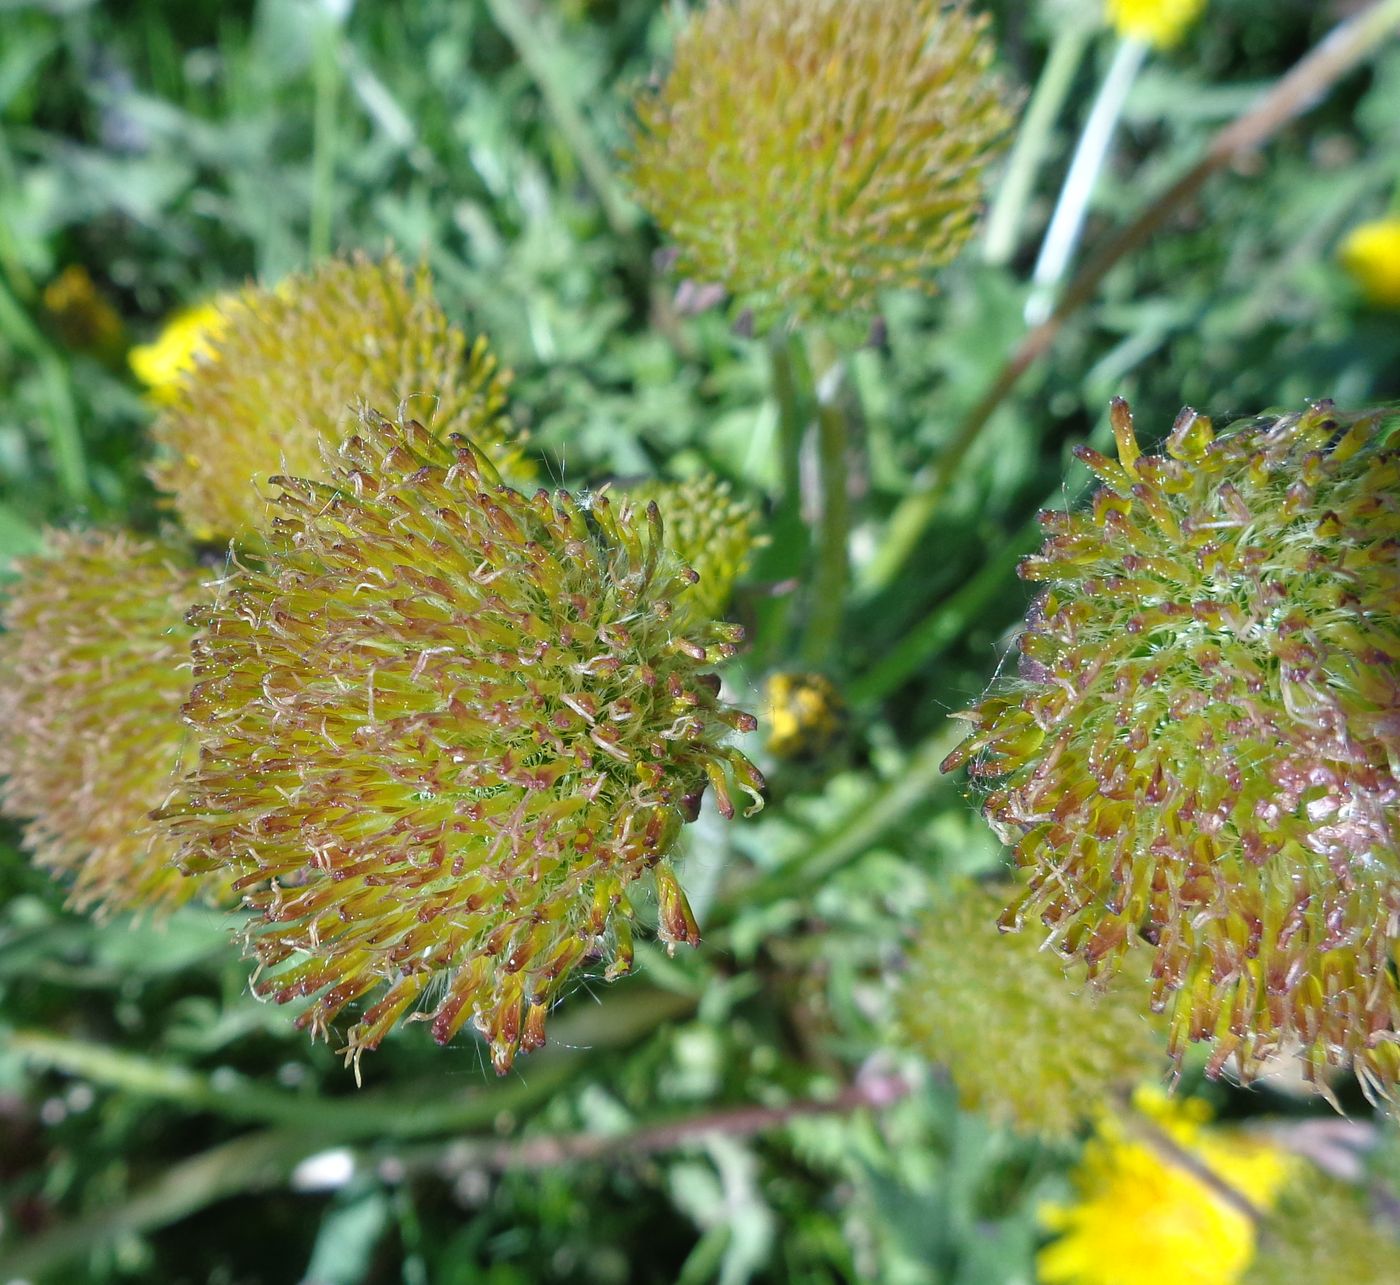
[(1024, 1037), (1159, 22), (1152, 1204), (442, 732), (285, 372), (1204, 739), (809, 153), (94, 667), (711, 531), (1324, 1233), (1370, 253)]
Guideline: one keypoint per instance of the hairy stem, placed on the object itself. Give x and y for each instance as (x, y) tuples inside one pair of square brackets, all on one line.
[(827, 600)]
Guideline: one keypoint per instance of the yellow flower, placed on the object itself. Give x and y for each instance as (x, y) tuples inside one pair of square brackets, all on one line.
[(1141, 1219), (81, 313), (1371, 254), (1159, 22), (188, 338), (804, 714)]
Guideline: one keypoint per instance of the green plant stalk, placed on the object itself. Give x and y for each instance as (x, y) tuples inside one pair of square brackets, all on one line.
[(326, 87), (11, 262), (1295, 93), (944, 625), (830, 581), (783, 383), (1033, 141), (629, 1016), (61, 421), (525, 27), (785, 560)]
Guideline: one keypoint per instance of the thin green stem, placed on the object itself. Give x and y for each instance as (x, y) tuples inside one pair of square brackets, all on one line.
[(1297, 92), (529, 33), (943, 626), (1033, 141), (255, 1162), (626, 1017), (236, 1098), (827, 600), (783, 383)]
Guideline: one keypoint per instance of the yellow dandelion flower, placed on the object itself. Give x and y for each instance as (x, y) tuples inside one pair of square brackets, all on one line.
[(1142, 1220), (188, 338), (1162, 23), (81, 314), (804, 714), (1371, 255)]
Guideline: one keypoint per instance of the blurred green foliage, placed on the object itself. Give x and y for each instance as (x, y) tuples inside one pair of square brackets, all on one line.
[(156, 1123)]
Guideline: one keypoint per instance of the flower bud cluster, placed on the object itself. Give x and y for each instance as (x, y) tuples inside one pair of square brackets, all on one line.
[(442, 729), (284, 370), (94, 667), (1203, 743), (806, 154), (1022, 1034)]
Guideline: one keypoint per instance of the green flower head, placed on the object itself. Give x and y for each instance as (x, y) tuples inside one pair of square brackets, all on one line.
[(807, 154), (1022, 1034), (94, 665), (282, 371), (710, 530), (1203, 743), (442, 732)]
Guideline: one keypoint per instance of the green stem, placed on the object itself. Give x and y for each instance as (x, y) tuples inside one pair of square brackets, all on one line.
[(525, 27), (827, 599), (938, 631), (236, 1098), (783, 382), (627, 1016), (1295, 93), (326, 82), (1033, 141)]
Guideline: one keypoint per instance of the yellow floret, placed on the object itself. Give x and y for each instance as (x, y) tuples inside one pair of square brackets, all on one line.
[(1144, 1219), (1371, 255), (1162, 23), (186, 340)]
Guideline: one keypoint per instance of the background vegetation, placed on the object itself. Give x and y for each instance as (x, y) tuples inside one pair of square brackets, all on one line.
[(156, 1123)]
